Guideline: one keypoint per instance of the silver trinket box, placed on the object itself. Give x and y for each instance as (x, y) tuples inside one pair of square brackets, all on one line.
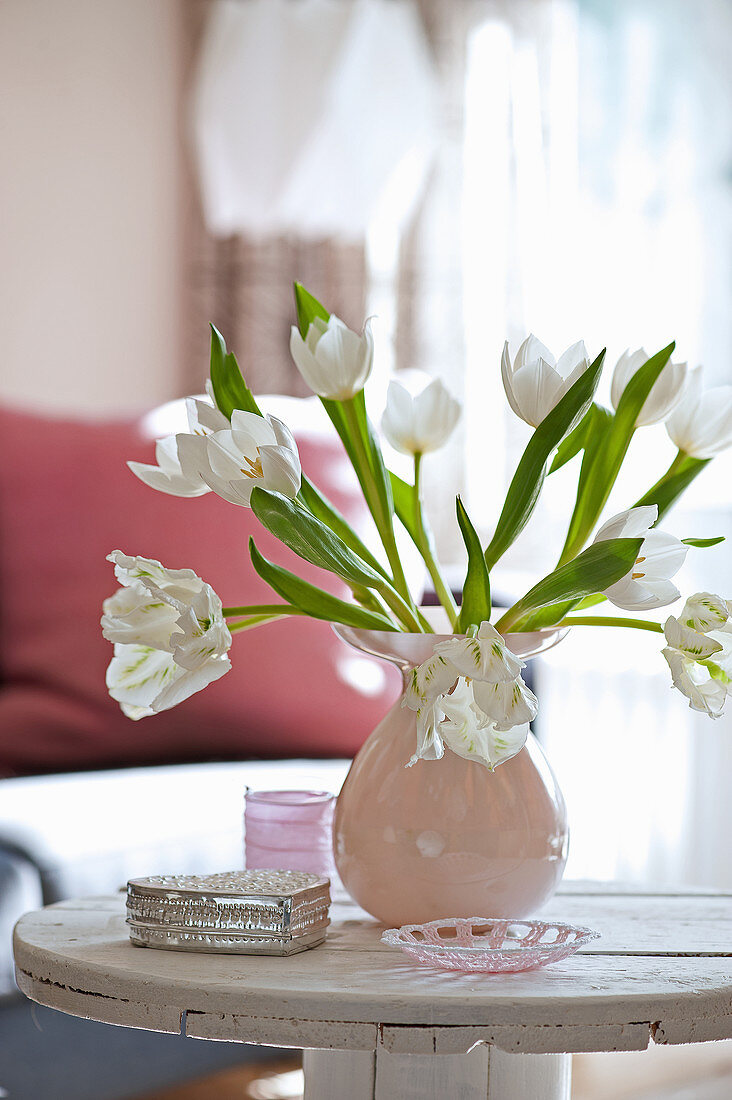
[(238, 912)]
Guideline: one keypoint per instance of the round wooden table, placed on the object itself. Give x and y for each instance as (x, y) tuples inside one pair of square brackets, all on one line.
[(376, 1027)]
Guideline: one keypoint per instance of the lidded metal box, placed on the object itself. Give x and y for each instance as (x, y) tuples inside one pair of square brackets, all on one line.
[(239, 912)]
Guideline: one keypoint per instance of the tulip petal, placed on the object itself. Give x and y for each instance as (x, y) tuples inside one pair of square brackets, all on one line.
[(175, 486), (631, 524), (666, 391), (693, 644), (572, 362), (536, 389), (131, 613), (281, 471), (507, 376), (532, 350), (507, 704), (283, 437), (705, 611), (204, 418), (430, 745), (626, 366), (692, 680), (702, 424), (484, 657), (257, 428), (421, 424)]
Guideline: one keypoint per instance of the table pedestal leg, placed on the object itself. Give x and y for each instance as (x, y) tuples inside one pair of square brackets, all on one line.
[(483, 1074)]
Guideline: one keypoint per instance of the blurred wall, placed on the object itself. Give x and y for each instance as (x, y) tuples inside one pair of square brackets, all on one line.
[(91, 198)]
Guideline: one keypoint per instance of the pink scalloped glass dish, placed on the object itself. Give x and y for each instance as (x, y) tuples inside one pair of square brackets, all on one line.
[(488, 945)]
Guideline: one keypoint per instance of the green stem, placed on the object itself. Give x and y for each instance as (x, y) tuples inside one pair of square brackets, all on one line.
[(509, 618), (444, 594), (426, 624), (260, 620), (408, 614), (678, 461), (603, 620), (381, 516), (262, 609)]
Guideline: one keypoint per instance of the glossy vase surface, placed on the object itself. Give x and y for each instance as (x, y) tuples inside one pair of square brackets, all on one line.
[(446, 838)]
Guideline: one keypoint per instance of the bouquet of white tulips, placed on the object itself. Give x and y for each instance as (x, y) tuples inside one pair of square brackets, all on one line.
[(172, 635)]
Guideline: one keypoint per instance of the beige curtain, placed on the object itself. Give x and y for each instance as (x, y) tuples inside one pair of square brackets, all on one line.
[(244, 287)]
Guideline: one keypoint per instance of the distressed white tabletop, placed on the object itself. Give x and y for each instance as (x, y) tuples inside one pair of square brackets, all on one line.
[(662, 970)]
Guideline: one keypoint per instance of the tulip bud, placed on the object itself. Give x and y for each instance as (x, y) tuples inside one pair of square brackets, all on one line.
[(334, 361), (418, 425), (535, 382)]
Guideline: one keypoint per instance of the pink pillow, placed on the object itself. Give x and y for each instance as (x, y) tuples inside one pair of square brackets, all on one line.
[(66, 500)]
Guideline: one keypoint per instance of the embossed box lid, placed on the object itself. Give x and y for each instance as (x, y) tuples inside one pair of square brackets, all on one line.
[(272, 912)]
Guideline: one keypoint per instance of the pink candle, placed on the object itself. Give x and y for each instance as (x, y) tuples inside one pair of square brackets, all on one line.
[(289, 830)]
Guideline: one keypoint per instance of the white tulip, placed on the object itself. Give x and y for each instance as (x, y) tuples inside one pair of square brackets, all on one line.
[(647, 584), (168, 476), (171, 475), (704, 692), (699, 652), (170, 635), (418, 425), (535, 382), (508, 704), (334, 361), (468, 732), (428, 681), (430, 745), (257, 450), (485, 657), (146, 681), (226, 457), (706, 612), (665, 392), (469, 696), (701, 424)]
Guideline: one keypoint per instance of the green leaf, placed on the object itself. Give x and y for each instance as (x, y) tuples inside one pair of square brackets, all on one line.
[(602, 468), (261, 620), (312, 600), (546, 616), (554, 613), (476, 605), (525, 487), (308, 308), (595, 420), (403, 497), (339, 421), (321, 507), (667, 491), (601, 565), (376, 458), (230, 390), (703, 543), (311, 539)]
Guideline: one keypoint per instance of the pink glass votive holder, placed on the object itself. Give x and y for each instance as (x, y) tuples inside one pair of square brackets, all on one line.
[(291, 830)]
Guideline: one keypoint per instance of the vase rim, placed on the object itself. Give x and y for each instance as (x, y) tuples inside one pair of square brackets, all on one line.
[(407, 649)]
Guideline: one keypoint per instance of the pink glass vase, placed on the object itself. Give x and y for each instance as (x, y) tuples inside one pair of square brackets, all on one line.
[(446, 838)]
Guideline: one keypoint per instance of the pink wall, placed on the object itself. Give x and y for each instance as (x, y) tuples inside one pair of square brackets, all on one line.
[(90, 202)]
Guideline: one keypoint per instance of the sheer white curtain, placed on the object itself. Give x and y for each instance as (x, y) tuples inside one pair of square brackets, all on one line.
[(597, 203)]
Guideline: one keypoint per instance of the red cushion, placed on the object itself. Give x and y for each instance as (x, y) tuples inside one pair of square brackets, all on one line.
[(66, 500)]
